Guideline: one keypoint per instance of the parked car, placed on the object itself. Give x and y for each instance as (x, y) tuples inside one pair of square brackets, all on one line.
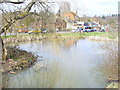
[(87, 29), (93, 30), (44, 30), (102, 29), (22, 31), (75, 31), (34, 31), (80, 28)]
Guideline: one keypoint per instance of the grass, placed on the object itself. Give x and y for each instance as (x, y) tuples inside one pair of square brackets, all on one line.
[(11, 36), (102, 34), (76, 34), (8, 36), (93, 34), (111, 37)]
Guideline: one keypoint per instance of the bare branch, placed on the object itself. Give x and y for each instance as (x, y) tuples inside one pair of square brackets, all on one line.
[(23, 14), (11, 2), (6, 20), (18, 17)]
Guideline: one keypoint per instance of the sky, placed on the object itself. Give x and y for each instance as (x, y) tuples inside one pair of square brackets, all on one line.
[(97, 7), (93, 7), (90, 7)]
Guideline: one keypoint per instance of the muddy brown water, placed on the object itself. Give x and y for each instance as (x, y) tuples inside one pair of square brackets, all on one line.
[(63, 64)]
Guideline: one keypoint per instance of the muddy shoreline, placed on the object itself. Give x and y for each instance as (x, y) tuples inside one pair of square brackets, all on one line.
[(17, 60)]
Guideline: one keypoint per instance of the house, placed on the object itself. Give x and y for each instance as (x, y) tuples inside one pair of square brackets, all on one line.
[(70, 18), (80, 23), (60, 23)]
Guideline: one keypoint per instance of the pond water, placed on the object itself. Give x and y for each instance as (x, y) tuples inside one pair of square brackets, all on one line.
[(62, 64)]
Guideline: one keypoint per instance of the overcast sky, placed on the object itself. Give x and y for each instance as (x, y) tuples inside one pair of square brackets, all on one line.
[(90, 7), (94, 7)]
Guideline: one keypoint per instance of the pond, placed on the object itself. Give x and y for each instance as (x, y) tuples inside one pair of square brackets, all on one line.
[(67, 63)]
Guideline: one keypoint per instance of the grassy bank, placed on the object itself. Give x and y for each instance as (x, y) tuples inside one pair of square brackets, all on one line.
[(82, 34), (110, 35)]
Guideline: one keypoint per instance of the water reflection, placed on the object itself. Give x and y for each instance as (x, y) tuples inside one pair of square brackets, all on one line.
[(69, 43), (65, 64), (109, 66), (39, 78)]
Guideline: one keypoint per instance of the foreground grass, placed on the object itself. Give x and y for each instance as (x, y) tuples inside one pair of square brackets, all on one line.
[(110, 35)]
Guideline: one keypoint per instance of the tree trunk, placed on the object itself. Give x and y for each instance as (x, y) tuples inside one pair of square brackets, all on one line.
[(3, 51)]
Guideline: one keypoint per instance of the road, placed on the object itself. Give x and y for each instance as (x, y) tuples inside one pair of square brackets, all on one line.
[(27, 33), (14, 34)]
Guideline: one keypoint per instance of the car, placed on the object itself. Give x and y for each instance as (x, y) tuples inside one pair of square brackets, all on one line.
[(75, 31), (93, 30), (34, 31), (87, 29), (45, 31), (37, 31), (72, 31), (22, 31), (102, 30), (30, 31), (80, 29)]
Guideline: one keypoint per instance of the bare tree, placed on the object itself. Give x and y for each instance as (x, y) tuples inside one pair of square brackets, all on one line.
[(64, 7), (24, 13)]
